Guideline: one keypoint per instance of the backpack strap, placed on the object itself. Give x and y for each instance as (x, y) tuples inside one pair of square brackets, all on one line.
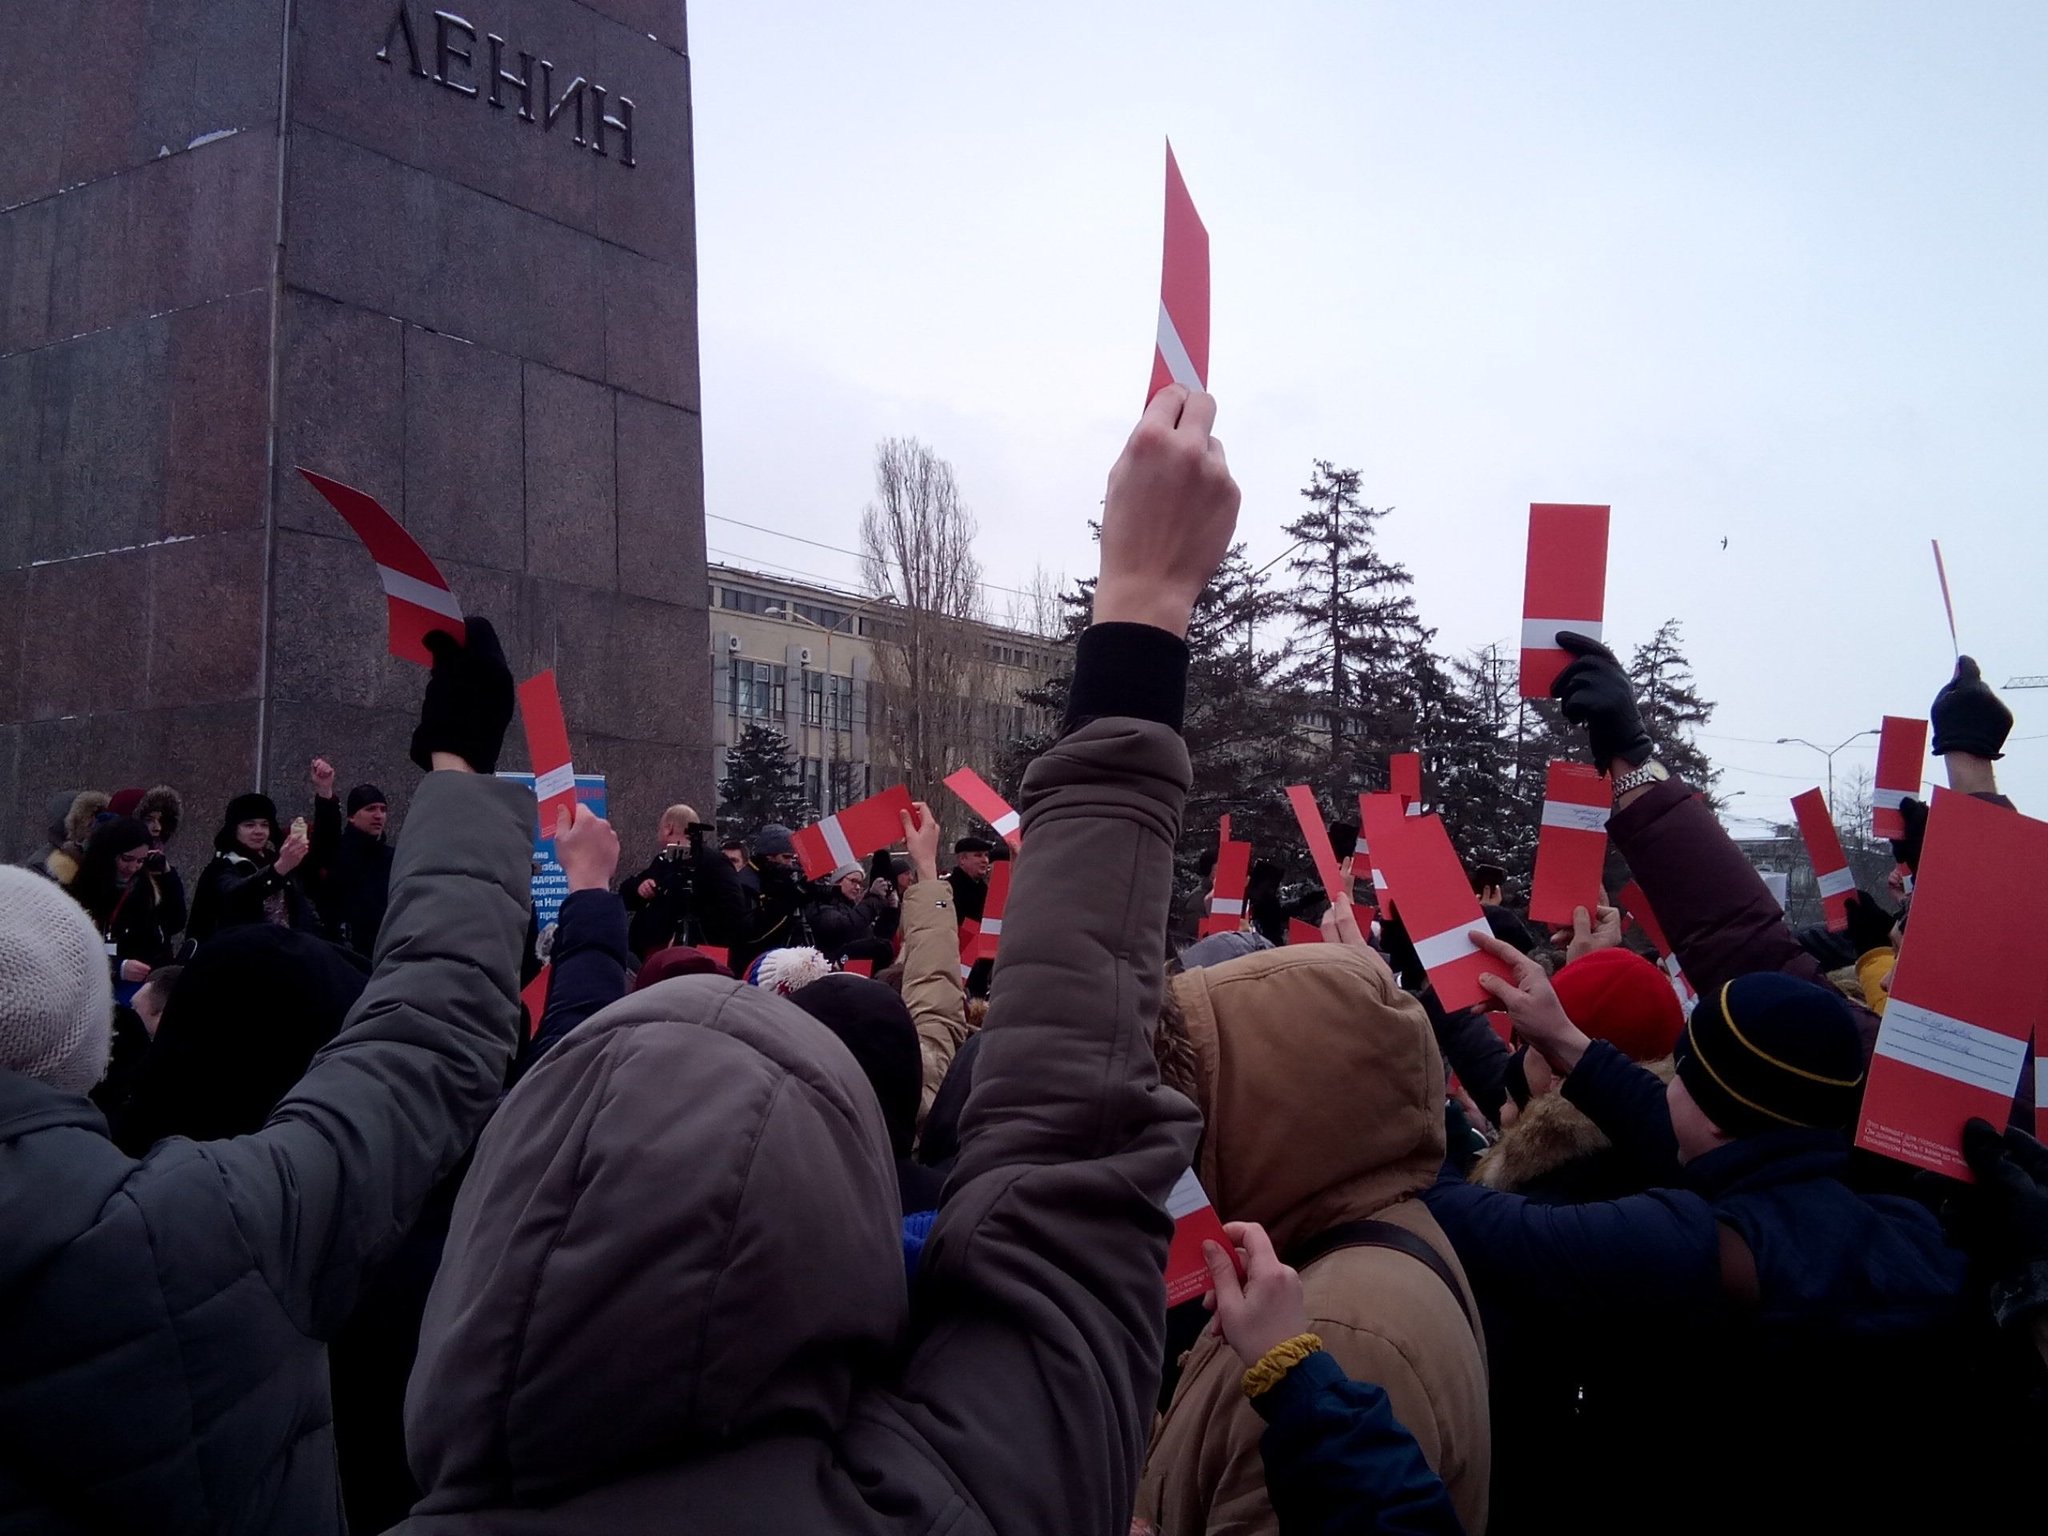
[(1383, 1234)]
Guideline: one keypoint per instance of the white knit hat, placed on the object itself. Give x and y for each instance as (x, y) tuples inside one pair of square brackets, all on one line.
[(56, 994)]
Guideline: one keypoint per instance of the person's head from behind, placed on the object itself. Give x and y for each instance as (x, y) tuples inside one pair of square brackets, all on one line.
[(1489, 884), (874, 1023), (973, 856), (368, 811), (751, 1249), (56, 996), (1766, 1053), (249, 826), (242, 1022), (154, 992), (1617, 996), (676, 822)]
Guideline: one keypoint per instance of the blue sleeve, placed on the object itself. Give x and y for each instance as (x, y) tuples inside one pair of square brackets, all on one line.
[(1646, 1259), (1338, 1463), (1627, 1102), (588, 969)]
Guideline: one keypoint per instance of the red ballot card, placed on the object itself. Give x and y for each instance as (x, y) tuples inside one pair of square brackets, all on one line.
[(535, 999), (719, 953), (1434, 901), (850, 835), (1831, 870), (417, 597), (1901, 753), (1404, 778), (992, 906), (1637, 906), (987, 804), (1299, 932), (547, 748), (1316, 833), (1571, 847), (1969, 988), (1374, 809), (1565, 588), (858, 967), (970, 947), (1226, 890), (1223, 829), (1181, 355), (1194, 1222)]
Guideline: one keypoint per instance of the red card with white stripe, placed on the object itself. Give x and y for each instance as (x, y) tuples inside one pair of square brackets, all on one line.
[(1637, 906), (849, 836), (970, 947), (416, 593), (987, 804), (1969, 989), (1571, 847), (535, 999), (1404, 778), (1374, 809), (1434, 900), (1181, 355), (1901, 753), (1565, 587), (992, 905), (1316, 833), (547, 748), (1194, 1222), (1831, 870), (1226, 889)]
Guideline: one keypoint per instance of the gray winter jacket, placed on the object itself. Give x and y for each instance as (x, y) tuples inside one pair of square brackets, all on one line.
[(163, 1365), (673, 1296)]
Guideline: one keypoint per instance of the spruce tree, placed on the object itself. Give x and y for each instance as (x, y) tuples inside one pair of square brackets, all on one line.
[(761, 783), (1671, 705)]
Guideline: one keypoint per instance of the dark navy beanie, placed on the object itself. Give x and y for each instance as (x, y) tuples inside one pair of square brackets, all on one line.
[(1770, 1051)]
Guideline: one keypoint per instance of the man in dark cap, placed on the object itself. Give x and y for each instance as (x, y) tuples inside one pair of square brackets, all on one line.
[(972, 859), (349, 868)]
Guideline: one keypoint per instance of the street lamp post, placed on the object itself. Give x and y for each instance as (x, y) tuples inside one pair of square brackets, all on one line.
[(1828, 753), (824, 724)]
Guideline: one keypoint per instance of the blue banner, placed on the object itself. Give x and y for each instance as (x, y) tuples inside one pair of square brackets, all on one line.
[(550, 882)]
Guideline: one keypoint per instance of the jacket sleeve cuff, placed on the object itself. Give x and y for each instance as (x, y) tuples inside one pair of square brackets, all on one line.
[(1297, 1390), (1129, 671)]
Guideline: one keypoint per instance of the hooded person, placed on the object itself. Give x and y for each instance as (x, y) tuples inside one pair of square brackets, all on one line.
[(163, 812), (166, 1326), (873, 1023), (348, 865), (252, 875), (120, 891), (1322, 1099), (70, 816)]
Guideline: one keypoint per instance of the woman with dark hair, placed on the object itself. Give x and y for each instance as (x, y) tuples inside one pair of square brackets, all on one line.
[(249, 879), (118, 885)]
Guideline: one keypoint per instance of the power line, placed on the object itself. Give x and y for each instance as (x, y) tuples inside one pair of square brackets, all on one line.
[(777, 533)]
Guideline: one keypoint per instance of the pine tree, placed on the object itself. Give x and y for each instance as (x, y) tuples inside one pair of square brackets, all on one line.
[(1671, 706), (1356, 629), (1469, 758), (761, 783)]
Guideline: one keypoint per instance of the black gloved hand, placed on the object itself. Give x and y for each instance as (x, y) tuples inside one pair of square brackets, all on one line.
[(1343, 840), (1870, 926), (469, 699), (1968, 716), (1906, 850), (1401, 953), (2002, 1220), (1595, 693)]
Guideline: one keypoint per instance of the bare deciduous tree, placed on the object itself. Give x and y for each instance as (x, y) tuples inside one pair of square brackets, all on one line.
[(917, 556)]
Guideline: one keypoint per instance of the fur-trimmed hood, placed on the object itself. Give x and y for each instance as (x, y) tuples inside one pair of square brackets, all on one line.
[(1546, 1139), (166, 802), (86, 806)]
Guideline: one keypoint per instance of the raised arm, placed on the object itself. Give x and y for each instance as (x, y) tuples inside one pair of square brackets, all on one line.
[(1043, 1272), (591, 957), (931, 957), (393, 1102)]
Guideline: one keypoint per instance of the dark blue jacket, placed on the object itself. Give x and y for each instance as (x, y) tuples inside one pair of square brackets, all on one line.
[(1338, 1463), (589, 968)]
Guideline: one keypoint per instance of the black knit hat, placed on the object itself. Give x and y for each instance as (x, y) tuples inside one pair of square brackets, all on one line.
[(1770, 1051), (249, 807), (364, 794)]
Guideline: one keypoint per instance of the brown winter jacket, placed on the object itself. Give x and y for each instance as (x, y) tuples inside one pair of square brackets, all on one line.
[(674, 1295), (1323, 1097), (931, 982)]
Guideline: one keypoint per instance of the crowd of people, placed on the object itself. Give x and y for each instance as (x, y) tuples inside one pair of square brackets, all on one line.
[(778, 1217)]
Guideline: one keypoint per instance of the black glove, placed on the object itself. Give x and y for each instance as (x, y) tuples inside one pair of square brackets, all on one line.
[(1968, 716), (1870, 926), (1343, 840), (2002, 1219), (1906, 850), (469, 699), (1595, 692)]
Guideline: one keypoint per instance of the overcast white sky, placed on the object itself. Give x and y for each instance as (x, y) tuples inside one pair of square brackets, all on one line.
[(1770, 272)]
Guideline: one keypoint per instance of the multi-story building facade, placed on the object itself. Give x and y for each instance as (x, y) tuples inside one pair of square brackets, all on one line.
[(804, 659)]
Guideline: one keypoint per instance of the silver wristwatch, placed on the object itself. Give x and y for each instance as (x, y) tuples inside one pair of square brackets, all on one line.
[(1652, 772)]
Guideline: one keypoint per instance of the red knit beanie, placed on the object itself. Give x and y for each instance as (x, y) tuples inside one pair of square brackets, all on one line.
[(1617, 996)]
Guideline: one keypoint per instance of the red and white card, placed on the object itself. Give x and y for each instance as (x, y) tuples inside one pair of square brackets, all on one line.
[(1227, 888), (1969, 990), (1181, 355), (987, 804), (1194, 1222), (1571, 847), (417, 596), (1372, 810), (992, 907), (1404, 778), (1637, 906), (547, 748), (1901, 754), (1434, 900), (1565, 587), (1316, 833), (1831, 870), (970, 947), (850, 835)]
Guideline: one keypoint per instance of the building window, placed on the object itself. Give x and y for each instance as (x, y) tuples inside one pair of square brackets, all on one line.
[(814, 697), (811, 771), (758, 689)]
